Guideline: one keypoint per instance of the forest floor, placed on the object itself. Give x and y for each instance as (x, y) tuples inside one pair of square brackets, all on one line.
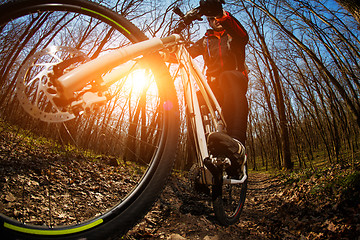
[(318, 205), (308, 204)]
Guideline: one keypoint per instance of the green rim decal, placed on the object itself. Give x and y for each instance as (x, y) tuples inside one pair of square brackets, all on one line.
[(52, 231), (89, 10)]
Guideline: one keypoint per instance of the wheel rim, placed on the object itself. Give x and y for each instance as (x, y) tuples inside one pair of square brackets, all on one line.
[(233, 197), (229, 201)]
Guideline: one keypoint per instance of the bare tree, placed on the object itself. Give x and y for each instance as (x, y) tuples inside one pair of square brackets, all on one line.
[(353, 6)]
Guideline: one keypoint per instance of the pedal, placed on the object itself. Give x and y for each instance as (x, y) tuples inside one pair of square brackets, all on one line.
[(242, 179), (221, 162)]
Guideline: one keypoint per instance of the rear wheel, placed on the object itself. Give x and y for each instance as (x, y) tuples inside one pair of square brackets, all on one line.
[(91, 176), (228, 202)]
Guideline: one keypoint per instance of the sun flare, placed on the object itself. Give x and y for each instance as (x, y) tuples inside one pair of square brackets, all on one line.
[(138, 84), (139, 80)]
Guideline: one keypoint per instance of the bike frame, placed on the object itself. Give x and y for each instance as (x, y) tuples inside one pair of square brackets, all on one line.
[(192, 80)]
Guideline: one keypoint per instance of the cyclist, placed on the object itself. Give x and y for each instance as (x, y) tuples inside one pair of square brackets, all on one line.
[(223, 50)]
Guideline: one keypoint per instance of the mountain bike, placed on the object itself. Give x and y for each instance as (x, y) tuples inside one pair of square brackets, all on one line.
[(89, 122)]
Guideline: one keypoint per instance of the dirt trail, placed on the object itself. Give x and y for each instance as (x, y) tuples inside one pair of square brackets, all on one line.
[(273, 210), (179, 214)]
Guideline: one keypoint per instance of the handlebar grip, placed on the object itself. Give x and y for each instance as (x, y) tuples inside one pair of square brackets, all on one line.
[(186, 19)]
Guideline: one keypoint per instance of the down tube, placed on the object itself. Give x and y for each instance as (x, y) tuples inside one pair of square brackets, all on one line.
[(192, 101), (208, 96)]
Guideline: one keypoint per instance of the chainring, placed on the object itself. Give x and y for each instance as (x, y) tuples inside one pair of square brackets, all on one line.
[(196, 187), (35, 88)]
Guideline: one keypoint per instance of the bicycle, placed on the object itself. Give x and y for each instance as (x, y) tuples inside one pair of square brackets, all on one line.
[(78, 69)]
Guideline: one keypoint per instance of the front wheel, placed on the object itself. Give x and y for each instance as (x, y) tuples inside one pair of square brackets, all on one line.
[(93, 176), (228, 201)]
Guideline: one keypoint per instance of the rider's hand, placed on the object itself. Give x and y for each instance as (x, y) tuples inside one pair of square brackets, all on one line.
[(211, 8)]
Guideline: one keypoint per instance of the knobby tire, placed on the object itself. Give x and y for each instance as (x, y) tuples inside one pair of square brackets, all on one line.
[(23, 134), (228, 202)]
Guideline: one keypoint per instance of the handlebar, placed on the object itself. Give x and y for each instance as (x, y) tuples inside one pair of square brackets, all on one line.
[(187, 18)]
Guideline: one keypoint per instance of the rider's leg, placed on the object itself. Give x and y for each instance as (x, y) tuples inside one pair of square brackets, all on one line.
[(235, 106), (235, 109)]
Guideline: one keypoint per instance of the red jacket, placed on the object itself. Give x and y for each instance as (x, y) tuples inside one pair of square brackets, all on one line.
[(223, 50)]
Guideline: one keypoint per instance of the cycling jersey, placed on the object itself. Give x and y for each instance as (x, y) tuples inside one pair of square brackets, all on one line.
[(224, 55), (223, 50)]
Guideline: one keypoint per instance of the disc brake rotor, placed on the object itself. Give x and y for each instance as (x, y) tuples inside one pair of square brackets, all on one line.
[(35, 89)]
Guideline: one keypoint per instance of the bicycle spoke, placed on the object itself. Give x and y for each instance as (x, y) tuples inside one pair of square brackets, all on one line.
[(59, 168)]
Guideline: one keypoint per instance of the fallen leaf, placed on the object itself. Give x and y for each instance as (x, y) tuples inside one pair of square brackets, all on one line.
[(10, 197)]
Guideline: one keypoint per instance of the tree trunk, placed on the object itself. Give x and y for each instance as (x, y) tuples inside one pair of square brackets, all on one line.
[(352, 6)]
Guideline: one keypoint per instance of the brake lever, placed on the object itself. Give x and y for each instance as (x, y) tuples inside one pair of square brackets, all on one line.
[(192, 15), (187, 18)]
